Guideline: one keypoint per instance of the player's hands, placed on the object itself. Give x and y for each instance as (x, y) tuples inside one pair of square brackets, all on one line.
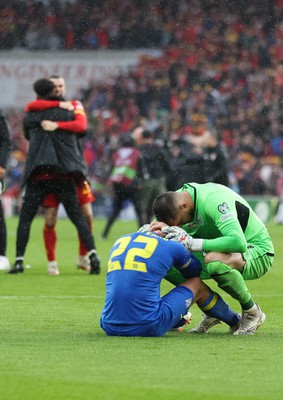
[(156, 227), (144, 228), (178, 234), (49, 126), (67, 105), (147, 227)]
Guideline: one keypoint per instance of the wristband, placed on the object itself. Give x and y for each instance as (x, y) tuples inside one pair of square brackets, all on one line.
[(197, 245)]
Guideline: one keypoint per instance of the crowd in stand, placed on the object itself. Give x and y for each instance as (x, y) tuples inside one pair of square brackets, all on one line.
[(221, 71), (130, 24)]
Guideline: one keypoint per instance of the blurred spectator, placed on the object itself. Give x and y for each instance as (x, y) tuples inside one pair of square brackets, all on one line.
[(155, 165), (221, 65), (123, 178), (246, 28), (215, 160), (186, 164)]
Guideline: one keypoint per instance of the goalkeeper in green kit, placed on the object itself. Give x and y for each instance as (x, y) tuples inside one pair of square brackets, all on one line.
[(226, 235)]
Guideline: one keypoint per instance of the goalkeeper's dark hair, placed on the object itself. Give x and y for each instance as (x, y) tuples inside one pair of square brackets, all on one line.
[(165, 207)]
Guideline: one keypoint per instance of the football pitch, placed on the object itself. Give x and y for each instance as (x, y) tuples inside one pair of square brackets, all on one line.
[(52, 346)]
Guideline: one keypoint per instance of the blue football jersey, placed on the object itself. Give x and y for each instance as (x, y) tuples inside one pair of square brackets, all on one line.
[(136, 265)]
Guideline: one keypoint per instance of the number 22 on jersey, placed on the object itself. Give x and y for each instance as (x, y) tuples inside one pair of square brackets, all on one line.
[(130, 254)]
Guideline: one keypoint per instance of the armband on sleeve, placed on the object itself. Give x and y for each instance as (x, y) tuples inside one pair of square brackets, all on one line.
[(192, 269)]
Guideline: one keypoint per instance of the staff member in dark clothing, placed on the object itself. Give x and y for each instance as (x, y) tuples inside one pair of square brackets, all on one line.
[(215, 160), (53, 161), (155, 167), (186, 162), (5, 147)]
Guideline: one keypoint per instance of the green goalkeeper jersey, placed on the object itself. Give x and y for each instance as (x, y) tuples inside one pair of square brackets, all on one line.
[(225, 220)]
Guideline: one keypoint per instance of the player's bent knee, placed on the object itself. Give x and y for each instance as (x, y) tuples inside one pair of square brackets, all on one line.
[(217, 256), (234, 260), (212, 256), (215, 268)]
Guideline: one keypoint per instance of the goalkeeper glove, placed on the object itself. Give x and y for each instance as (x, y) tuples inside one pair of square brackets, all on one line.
[(179, 235), (144, 228)]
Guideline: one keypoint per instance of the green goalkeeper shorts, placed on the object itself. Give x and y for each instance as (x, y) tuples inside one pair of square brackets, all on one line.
[(257, 263)]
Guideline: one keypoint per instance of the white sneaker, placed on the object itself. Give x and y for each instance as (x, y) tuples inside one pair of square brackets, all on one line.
[(83, 263), (205, 324), (4, 263), (250, 321), (52, 268)]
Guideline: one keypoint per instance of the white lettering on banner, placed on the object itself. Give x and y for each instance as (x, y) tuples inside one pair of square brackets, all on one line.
[(17, 76), (71, 71)]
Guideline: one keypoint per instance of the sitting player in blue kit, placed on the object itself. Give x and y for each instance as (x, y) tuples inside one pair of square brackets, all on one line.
[(136, 265)]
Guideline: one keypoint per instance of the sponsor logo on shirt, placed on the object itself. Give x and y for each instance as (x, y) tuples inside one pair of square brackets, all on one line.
[(227, 216), (223, 208)]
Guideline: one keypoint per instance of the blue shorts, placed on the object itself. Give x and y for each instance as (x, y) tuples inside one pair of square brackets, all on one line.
[(173, 305)]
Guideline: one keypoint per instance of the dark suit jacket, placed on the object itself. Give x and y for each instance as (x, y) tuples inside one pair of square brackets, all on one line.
[(56, 151)]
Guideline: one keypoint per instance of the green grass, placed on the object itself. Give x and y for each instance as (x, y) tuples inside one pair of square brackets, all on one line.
[(51, 345)]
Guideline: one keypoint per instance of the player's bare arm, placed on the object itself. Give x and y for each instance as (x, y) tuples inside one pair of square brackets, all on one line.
[(78, 125)]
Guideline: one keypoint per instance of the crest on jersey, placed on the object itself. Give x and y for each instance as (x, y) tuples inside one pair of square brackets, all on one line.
[(223, 208)]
